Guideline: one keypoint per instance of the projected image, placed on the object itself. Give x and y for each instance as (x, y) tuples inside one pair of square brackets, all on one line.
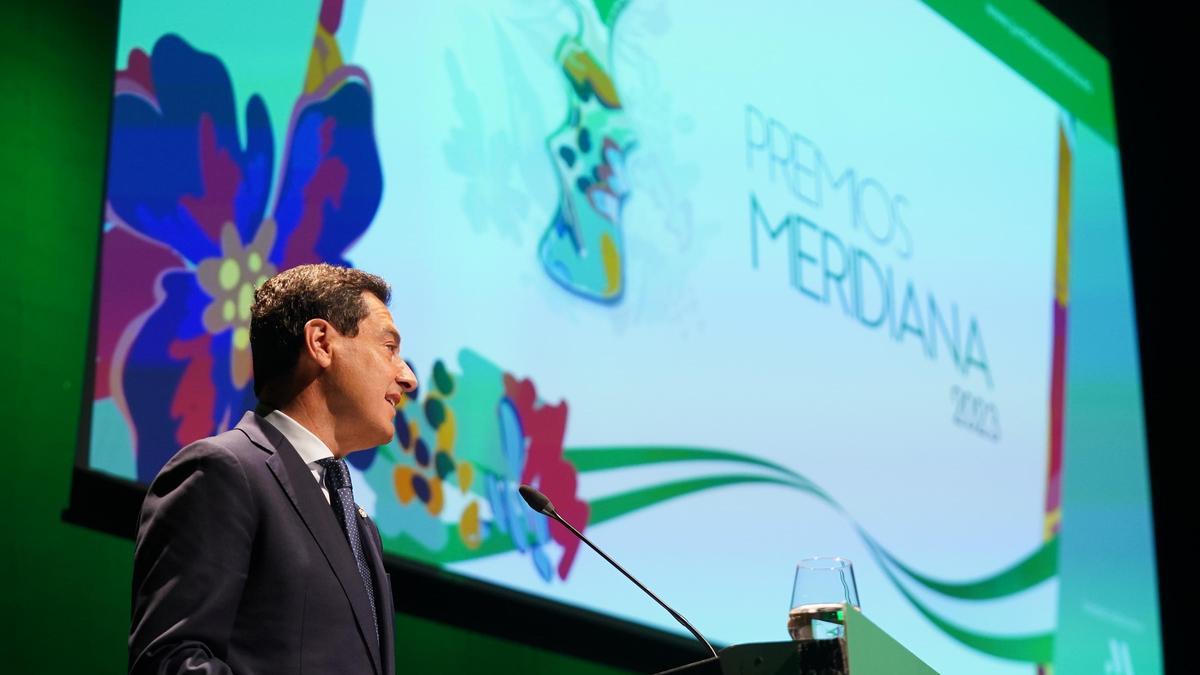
[(582, 249), (188, 233), (731, 291)]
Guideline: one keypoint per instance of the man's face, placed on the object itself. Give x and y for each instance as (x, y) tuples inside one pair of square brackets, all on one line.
[(368, 378)]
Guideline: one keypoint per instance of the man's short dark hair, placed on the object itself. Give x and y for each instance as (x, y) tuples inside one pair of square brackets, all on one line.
[(290, 299)]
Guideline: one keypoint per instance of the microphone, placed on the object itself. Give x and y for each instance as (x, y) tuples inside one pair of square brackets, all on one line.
[(541, 503)]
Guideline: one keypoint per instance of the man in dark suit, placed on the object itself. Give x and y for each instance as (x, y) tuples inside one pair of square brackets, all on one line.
[(251, 555)]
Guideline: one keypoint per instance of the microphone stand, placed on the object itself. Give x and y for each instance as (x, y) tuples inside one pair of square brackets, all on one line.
[(540, 503)]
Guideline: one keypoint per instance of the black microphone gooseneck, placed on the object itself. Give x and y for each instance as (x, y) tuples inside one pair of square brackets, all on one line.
[(541, 503)]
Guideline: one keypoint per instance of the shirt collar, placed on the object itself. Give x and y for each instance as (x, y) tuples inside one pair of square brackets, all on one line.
[(307, 445)]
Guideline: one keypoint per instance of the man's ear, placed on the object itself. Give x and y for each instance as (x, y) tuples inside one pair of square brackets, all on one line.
[(318, 341)]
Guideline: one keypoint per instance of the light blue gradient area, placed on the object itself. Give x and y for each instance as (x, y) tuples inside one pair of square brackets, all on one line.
[(1108, 608), (265, 46), (110, 447), (347, 33)]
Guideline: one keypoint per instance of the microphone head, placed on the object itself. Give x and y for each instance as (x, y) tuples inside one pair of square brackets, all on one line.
[(536, 500)]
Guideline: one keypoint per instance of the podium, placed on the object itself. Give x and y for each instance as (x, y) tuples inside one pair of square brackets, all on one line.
[(866, 649)]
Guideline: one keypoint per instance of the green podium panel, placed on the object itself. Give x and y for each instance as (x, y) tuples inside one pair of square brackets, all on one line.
[(871, 651)]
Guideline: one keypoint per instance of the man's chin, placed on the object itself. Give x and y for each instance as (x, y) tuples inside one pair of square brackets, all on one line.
[(376, 441), (385, 437)]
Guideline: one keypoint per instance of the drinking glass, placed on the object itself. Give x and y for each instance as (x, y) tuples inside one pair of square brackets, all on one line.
[(822, 591)]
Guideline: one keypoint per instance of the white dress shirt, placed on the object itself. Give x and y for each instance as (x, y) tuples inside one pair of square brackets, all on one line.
[(310, 448)]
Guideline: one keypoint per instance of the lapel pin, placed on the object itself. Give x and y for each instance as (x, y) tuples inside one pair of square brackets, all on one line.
[(361, 512)]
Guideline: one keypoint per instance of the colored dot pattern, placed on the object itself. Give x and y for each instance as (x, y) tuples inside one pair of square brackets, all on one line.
[(426, 433)]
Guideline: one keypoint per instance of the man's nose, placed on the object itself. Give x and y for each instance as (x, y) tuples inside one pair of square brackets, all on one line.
[(406, 378)]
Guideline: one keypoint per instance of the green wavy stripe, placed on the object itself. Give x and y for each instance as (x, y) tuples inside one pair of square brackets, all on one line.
[(1034, 569), (602, 509), (614, 506), (1037, 648), (1039, 566), (620, 457)]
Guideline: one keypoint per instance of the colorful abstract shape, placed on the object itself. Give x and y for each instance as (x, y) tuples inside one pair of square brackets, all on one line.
[(462, 450), (186, 211), (583, 249)]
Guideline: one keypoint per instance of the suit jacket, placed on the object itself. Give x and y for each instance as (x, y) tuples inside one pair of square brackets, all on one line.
[(241, 567)]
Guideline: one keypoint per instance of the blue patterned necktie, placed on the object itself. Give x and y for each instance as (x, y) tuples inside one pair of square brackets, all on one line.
[(341, 498)]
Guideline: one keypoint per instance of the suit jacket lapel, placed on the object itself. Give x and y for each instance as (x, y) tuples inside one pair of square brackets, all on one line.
[(297, 483)]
